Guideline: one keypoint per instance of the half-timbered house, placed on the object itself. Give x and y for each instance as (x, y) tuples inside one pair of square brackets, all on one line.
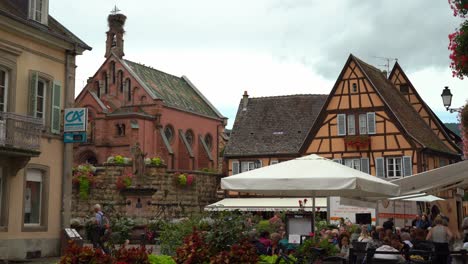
[(369, 124)]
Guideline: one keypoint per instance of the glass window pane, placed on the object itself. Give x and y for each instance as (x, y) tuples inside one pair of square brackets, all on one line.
[(32, 202), (363, 124), (2, 78)]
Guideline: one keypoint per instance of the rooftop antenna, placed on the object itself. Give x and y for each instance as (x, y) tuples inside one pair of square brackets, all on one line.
[(386, 64), (115, 10)]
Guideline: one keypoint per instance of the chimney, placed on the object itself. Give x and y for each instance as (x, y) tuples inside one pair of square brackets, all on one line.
[(115, 42), (385, 73), (245, 100)]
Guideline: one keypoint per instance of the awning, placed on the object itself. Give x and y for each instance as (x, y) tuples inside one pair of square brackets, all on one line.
[(266, 204), (418, 197), (433, 181)]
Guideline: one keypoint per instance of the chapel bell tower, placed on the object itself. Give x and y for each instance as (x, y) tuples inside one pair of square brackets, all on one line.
[(115, 42)]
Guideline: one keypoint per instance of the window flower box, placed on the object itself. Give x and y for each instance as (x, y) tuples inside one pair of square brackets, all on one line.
[(357, 141)]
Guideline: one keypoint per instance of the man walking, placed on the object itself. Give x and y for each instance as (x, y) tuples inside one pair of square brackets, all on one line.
[(101, 225), (465, 228)]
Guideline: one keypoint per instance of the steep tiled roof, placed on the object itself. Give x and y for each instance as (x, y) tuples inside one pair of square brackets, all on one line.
[(174, 91), (18, 10), (273, 125), (401, 108)]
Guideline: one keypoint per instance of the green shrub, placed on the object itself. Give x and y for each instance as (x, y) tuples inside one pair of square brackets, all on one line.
[(160, 259), (121, 228), (173, 234), (264, 259), (264, 225)]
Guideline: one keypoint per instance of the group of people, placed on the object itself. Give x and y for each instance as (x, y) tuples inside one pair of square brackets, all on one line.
[(434, 237)]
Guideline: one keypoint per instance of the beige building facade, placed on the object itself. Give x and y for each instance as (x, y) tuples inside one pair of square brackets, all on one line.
[(37, 76)]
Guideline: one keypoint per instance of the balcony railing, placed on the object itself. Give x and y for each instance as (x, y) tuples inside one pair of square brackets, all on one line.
[(20, 132)]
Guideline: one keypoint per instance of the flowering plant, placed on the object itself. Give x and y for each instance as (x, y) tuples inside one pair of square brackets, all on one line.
[(83, 177), (124, 181), (155, 161), (118, 159), (357, 141), (183, 179), (459, 7), (458, 47), (463, 120), (302, 204)]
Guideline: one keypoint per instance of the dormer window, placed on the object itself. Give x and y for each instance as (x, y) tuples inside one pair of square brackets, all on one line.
[(38, 10)]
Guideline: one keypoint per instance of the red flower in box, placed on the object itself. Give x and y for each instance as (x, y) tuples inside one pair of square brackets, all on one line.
[(357, 141)]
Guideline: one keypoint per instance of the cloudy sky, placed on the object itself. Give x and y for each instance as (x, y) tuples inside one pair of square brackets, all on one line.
[(273, 47)]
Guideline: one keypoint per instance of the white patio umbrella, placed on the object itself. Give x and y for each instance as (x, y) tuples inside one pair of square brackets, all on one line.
[(310, 176)]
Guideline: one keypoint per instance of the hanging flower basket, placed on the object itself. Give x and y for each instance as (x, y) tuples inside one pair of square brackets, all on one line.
[(357, 141), (83, 178), (458, 47), (184, 180)]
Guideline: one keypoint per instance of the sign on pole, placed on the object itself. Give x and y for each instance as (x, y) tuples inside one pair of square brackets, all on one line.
[(75, 120), (74, 137)]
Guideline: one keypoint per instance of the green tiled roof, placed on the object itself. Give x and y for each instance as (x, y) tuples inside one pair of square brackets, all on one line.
[(174, 91)]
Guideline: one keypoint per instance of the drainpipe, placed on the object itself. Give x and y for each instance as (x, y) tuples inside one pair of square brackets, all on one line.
[(69, 89)]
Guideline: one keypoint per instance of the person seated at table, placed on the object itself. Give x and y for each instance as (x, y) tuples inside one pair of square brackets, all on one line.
[(400, 246), (364, 237), (265, 239), (420, 242), (355, 235), (343, 246), (375, 241), (386, 247), (406, 238)]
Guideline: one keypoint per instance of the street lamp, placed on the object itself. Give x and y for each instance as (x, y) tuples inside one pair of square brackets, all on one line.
[(447, 100)]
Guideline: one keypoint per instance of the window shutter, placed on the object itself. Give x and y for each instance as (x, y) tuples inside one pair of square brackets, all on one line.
[(272, 162), (235, 167), (351, 125), (365, 165), (407, 166), (33, 94), (341, 124), (371, 123), (56, 108), (258, 164), (338, 161), (379, 167)]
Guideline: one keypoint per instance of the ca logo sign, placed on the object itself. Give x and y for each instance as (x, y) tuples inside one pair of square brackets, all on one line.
[(74, 116)]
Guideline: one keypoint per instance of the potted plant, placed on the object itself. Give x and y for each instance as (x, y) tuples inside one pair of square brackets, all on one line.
[(124, 181), (357, 141), (83, 178), (184, 180)]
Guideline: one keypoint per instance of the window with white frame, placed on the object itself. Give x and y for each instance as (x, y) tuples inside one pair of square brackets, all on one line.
[(353, 163), (33, 197), (274, 161), (243, 166), (41, 98), (38, 10), (362, 124), (351, 125), (394, 167), (348, 124), (3, 89)]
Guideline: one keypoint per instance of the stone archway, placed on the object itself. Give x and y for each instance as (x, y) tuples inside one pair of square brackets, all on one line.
[(88, 156)]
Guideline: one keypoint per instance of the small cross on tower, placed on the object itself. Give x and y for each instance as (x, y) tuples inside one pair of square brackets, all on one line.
[(115, 10)]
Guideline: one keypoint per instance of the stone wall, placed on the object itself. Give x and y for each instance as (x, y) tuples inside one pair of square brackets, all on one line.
[(155, 195)]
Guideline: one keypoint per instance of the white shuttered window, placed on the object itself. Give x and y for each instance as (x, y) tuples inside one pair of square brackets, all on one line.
[(407, 166), (371, 129), (351, 125), (379, 167), (341, 124)]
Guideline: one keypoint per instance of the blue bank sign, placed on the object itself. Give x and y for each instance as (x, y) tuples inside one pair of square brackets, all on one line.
[(75, 119)]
